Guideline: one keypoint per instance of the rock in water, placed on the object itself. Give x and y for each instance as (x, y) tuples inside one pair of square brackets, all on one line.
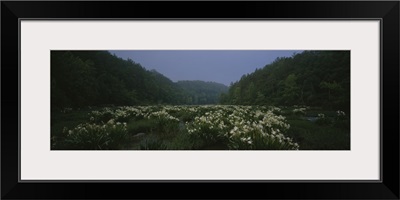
[(181, 126), (139, 135)]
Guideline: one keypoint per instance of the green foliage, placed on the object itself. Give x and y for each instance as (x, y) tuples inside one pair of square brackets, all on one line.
[(201, 92), (342, 124), (323, 121), (242, 127), (141, 126), (291, 91), (210, 128), (72, 80), (341, 120), (186, 116), (314, 78), (210, 135), (61, 120), (109, 136), (152, 143), (257, 141), (97, 78), (184, 141), (313, 137)]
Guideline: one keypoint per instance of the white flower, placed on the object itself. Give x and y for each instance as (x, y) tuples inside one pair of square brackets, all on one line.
[(340, 113)]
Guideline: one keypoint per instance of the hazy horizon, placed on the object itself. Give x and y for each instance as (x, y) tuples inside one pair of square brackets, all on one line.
[(220, 66)]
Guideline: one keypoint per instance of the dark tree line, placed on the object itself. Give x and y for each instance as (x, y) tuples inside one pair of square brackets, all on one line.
[(313, 78), (97, 78)]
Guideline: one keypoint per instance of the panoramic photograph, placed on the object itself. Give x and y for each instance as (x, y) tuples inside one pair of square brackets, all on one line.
[(285, 100)]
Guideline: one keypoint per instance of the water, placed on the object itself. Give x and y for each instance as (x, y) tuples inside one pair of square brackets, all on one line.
[(181, 125), (313, 119)]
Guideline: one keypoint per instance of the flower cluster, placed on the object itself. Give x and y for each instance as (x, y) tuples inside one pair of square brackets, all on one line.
[(239, 127), (163, 114), (340, 113), (243, 128), (322, 120), (299, 111), (94, 136), (102, 115), (275, 110), (211, 126)]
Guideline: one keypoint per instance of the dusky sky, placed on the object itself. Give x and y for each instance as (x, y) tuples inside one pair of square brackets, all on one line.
[(221, 66)]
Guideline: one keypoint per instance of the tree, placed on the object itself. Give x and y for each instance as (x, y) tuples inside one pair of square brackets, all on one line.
[(260, 100), (291, 90), (331, 87), (297, 79), (72, 80), (250, 94), (237, 95)]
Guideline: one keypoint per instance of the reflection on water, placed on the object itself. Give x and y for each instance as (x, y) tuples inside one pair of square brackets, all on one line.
[(311, 118)]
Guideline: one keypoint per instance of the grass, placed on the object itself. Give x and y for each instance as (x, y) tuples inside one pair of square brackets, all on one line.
[(311, 136), (141, 126), (69, 120), (173, 135)]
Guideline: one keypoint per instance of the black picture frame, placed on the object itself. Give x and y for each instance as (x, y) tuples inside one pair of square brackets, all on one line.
[(386, 11)]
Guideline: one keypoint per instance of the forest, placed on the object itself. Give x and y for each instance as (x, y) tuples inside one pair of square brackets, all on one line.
[(102, 102), (97, 78), (312, 78)]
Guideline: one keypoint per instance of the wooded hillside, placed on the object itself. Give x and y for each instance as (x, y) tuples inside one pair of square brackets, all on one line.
[(312, 78)]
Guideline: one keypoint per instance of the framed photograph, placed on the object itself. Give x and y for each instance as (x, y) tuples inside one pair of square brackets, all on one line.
[(114, 97)]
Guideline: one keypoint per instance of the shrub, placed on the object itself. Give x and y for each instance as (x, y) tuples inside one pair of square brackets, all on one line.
[(257, 140), (242, 129), (340, 115), (140, 126), (322, 120), (299, 111), (97, 137), (152, 143), (102, 116), (342, 124)]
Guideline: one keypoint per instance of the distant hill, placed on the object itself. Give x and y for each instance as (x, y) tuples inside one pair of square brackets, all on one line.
[(201, 92)]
